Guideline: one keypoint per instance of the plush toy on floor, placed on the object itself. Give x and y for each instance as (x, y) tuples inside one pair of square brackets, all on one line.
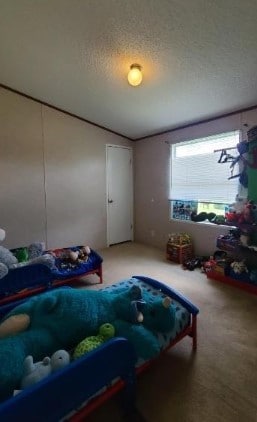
[(106, 331), (62, 318)]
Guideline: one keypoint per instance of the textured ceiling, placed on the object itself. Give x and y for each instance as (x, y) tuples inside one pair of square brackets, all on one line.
[(199, 58)]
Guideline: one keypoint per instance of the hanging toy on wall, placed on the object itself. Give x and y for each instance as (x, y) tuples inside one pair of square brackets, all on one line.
[(243, 148)]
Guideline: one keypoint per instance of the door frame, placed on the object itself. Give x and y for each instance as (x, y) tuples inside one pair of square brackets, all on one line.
[(106, 195)]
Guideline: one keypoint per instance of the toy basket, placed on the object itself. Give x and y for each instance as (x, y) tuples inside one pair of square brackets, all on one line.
[(179, 239), (179, 248)]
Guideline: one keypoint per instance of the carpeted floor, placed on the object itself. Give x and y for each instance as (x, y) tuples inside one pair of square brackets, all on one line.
[(217, 383)]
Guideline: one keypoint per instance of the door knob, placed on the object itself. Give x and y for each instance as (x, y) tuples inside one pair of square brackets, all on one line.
[(110, 201)]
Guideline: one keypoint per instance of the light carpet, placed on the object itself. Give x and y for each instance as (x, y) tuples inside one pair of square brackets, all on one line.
[(218, 382)]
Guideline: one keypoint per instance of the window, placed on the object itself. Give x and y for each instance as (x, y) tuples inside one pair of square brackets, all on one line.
[(198, 182)]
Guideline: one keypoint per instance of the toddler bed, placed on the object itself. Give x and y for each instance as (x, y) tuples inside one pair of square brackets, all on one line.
[(65, 270), (28, 280), (89, 381)]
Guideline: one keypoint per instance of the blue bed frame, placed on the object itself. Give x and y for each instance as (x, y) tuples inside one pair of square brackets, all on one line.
[(53, 398), (29, 280)]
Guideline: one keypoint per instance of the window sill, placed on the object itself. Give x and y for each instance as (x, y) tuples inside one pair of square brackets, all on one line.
[(201, 223)]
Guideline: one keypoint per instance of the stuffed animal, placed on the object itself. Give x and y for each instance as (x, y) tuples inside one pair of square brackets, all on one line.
[(84, 253), (34, 372), (6, 257), (71, 258), (22, 254), (2, 234), (231, 216), (27, 253), (245, 212), (106, 331), (247, 216), (61, 318), (9, 261), (36, 249), (239, 267), (79, 256), (239, 271)]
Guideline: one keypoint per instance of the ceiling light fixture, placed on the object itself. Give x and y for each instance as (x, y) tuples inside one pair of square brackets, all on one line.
[(135, 75)]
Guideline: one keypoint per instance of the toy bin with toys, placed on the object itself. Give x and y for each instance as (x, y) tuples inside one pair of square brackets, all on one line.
[(179, 248)]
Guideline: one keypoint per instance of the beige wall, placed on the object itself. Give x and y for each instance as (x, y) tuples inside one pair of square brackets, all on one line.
[(152, 213), (52, 172), (53, 183)]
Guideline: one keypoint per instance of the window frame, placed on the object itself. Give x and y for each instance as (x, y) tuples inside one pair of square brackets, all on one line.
[(235, 132)]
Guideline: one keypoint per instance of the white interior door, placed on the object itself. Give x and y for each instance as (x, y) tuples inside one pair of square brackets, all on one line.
[(119, 194)]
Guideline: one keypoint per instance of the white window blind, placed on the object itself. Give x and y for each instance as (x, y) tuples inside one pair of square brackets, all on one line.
[(196, 173)]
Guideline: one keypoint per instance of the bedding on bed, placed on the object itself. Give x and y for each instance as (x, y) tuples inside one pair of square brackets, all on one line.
[(64, 269), (182, 320), (112, 360), (30, 277)]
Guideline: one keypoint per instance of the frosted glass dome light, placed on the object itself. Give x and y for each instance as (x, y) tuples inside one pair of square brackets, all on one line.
[(135, 75)]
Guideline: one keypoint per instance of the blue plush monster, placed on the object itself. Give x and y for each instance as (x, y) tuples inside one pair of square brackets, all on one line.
[(62, 318)]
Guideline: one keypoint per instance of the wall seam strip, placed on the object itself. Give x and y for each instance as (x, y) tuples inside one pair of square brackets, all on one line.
[(44, 175)]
